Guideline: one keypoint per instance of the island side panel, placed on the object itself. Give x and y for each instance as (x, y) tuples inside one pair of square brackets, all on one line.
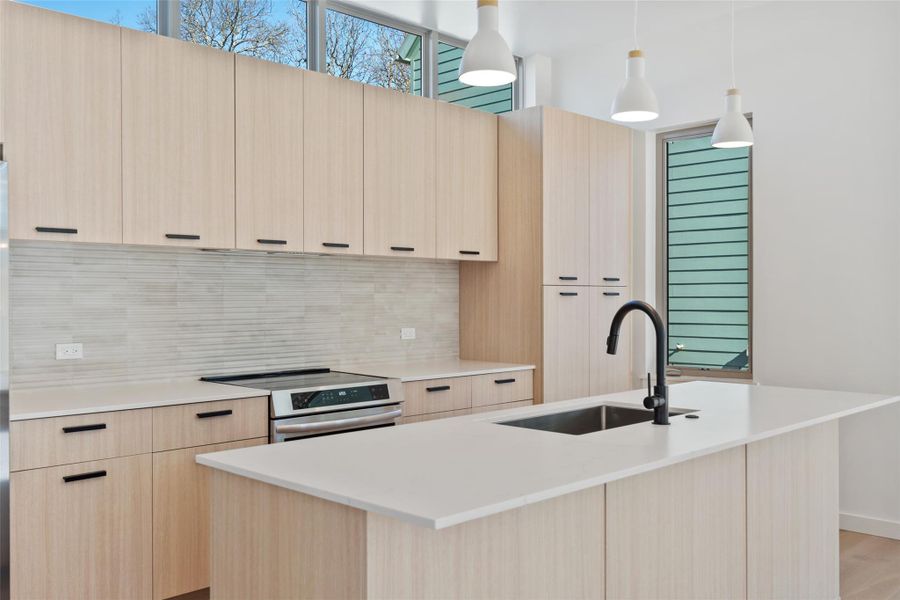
[(551, 549), (792, 515), (679, 532), (270, 542)]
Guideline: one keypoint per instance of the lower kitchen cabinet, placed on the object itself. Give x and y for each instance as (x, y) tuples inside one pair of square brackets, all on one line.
[(566, 342), (609, 372), (430, 399), (181, 519), (82, 530)]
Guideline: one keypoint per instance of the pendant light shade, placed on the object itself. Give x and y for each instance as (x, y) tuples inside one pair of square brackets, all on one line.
[(733, 130), (487, 60), (635, 100)]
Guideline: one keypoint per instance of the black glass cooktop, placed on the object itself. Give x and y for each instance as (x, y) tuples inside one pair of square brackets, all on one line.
[(293, 380)]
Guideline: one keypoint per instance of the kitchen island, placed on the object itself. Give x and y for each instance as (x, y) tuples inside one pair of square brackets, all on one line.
[(738, 498)]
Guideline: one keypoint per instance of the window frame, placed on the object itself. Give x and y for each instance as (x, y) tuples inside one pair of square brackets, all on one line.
[(662, 247), (169, 24)]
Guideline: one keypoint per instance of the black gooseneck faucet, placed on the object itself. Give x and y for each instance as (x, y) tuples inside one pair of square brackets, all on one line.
[(659, 399)]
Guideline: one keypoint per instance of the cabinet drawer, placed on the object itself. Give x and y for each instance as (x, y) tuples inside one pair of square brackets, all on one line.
[(436, 395), (507, 406), (204, 423), (435, 416), (77, 438), (499, 388), (82, 530)]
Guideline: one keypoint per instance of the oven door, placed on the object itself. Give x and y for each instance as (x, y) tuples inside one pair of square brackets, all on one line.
[(294, 428)]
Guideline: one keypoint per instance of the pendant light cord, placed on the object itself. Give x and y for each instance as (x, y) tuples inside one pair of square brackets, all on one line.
[(636, 46), (733, 79)]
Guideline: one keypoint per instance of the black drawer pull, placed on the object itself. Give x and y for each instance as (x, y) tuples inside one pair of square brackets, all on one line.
[(438, 388), (474, 252), (273, 242), (403, 248), (77, 428), (182, 236), (568, 293), (568, 278), (56, 230), (215, 413), (335, 245), (611, 294), (81, 476), (500, 381), (611, 279)]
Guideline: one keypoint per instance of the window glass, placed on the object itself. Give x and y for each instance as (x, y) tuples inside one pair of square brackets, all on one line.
[(372, 53), (269, 29), (127, 13), (707, 197), (497, 99)]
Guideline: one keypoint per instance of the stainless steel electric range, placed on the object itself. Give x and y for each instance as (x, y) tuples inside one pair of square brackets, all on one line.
[(318, 401)]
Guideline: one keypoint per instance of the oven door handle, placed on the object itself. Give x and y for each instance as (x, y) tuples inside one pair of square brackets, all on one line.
[(324, 426)]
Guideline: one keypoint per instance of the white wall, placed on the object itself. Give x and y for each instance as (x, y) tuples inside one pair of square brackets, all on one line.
[(821, 79)]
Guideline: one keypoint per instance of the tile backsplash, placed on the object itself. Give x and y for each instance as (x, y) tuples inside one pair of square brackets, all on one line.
[(152, 313)]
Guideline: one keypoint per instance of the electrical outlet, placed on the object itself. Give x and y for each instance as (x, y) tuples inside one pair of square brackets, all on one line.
[(69, 351), (407, 333)]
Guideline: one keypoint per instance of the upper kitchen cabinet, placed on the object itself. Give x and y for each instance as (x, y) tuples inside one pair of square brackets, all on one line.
[(610, 204), (60, 125), (399, 174), (333, 159), (268, 155), (177, 142), (466, 183), (566, 169)]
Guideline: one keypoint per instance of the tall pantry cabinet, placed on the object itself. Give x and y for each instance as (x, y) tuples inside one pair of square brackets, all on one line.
[(565, 255)]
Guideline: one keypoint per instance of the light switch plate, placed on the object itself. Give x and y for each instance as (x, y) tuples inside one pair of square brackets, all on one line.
[(69, 351), (407, 333)]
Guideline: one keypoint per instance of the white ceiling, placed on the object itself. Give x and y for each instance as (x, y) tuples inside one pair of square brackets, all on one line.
[(557, 27)]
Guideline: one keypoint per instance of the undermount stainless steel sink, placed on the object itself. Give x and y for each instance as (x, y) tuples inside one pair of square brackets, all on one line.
[(588, 420)]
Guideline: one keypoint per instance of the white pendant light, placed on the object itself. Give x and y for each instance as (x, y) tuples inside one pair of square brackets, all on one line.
[(635, 101), (487, 60), (733, 130)]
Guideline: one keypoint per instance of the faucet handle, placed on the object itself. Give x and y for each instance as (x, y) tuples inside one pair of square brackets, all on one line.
[(651, 401)]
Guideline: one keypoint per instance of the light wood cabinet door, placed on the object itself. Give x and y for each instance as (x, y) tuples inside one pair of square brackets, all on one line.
[(610, 204), (268, 155), (177, 142), (333, 165), (399, 174), (466, 183), (609, 372), (566, 231), (61, 125), (204, 423), (502, 388), (566, 342), (181, 519), (82, 531), (437, 395)]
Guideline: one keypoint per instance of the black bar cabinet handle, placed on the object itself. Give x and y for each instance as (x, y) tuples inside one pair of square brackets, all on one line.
[(499, 381), (568, 293), (214, 413), (611, 279), (611, 294), (56, 230), (81, 476), (476, 252), (568, 278), (438, 388), (274, 242), (403, 248), (77, 428), (335, 245), (182, 236)]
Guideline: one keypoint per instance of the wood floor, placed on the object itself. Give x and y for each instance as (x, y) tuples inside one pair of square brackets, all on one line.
[(870, 567)]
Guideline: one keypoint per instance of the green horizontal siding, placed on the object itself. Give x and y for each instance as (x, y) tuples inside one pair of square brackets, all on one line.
[(707, 229), (490, 99)]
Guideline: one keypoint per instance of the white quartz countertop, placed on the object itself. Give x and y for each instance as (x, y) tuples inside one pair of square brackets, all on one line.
[(417, 370), (441, 473), (84, 399)]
